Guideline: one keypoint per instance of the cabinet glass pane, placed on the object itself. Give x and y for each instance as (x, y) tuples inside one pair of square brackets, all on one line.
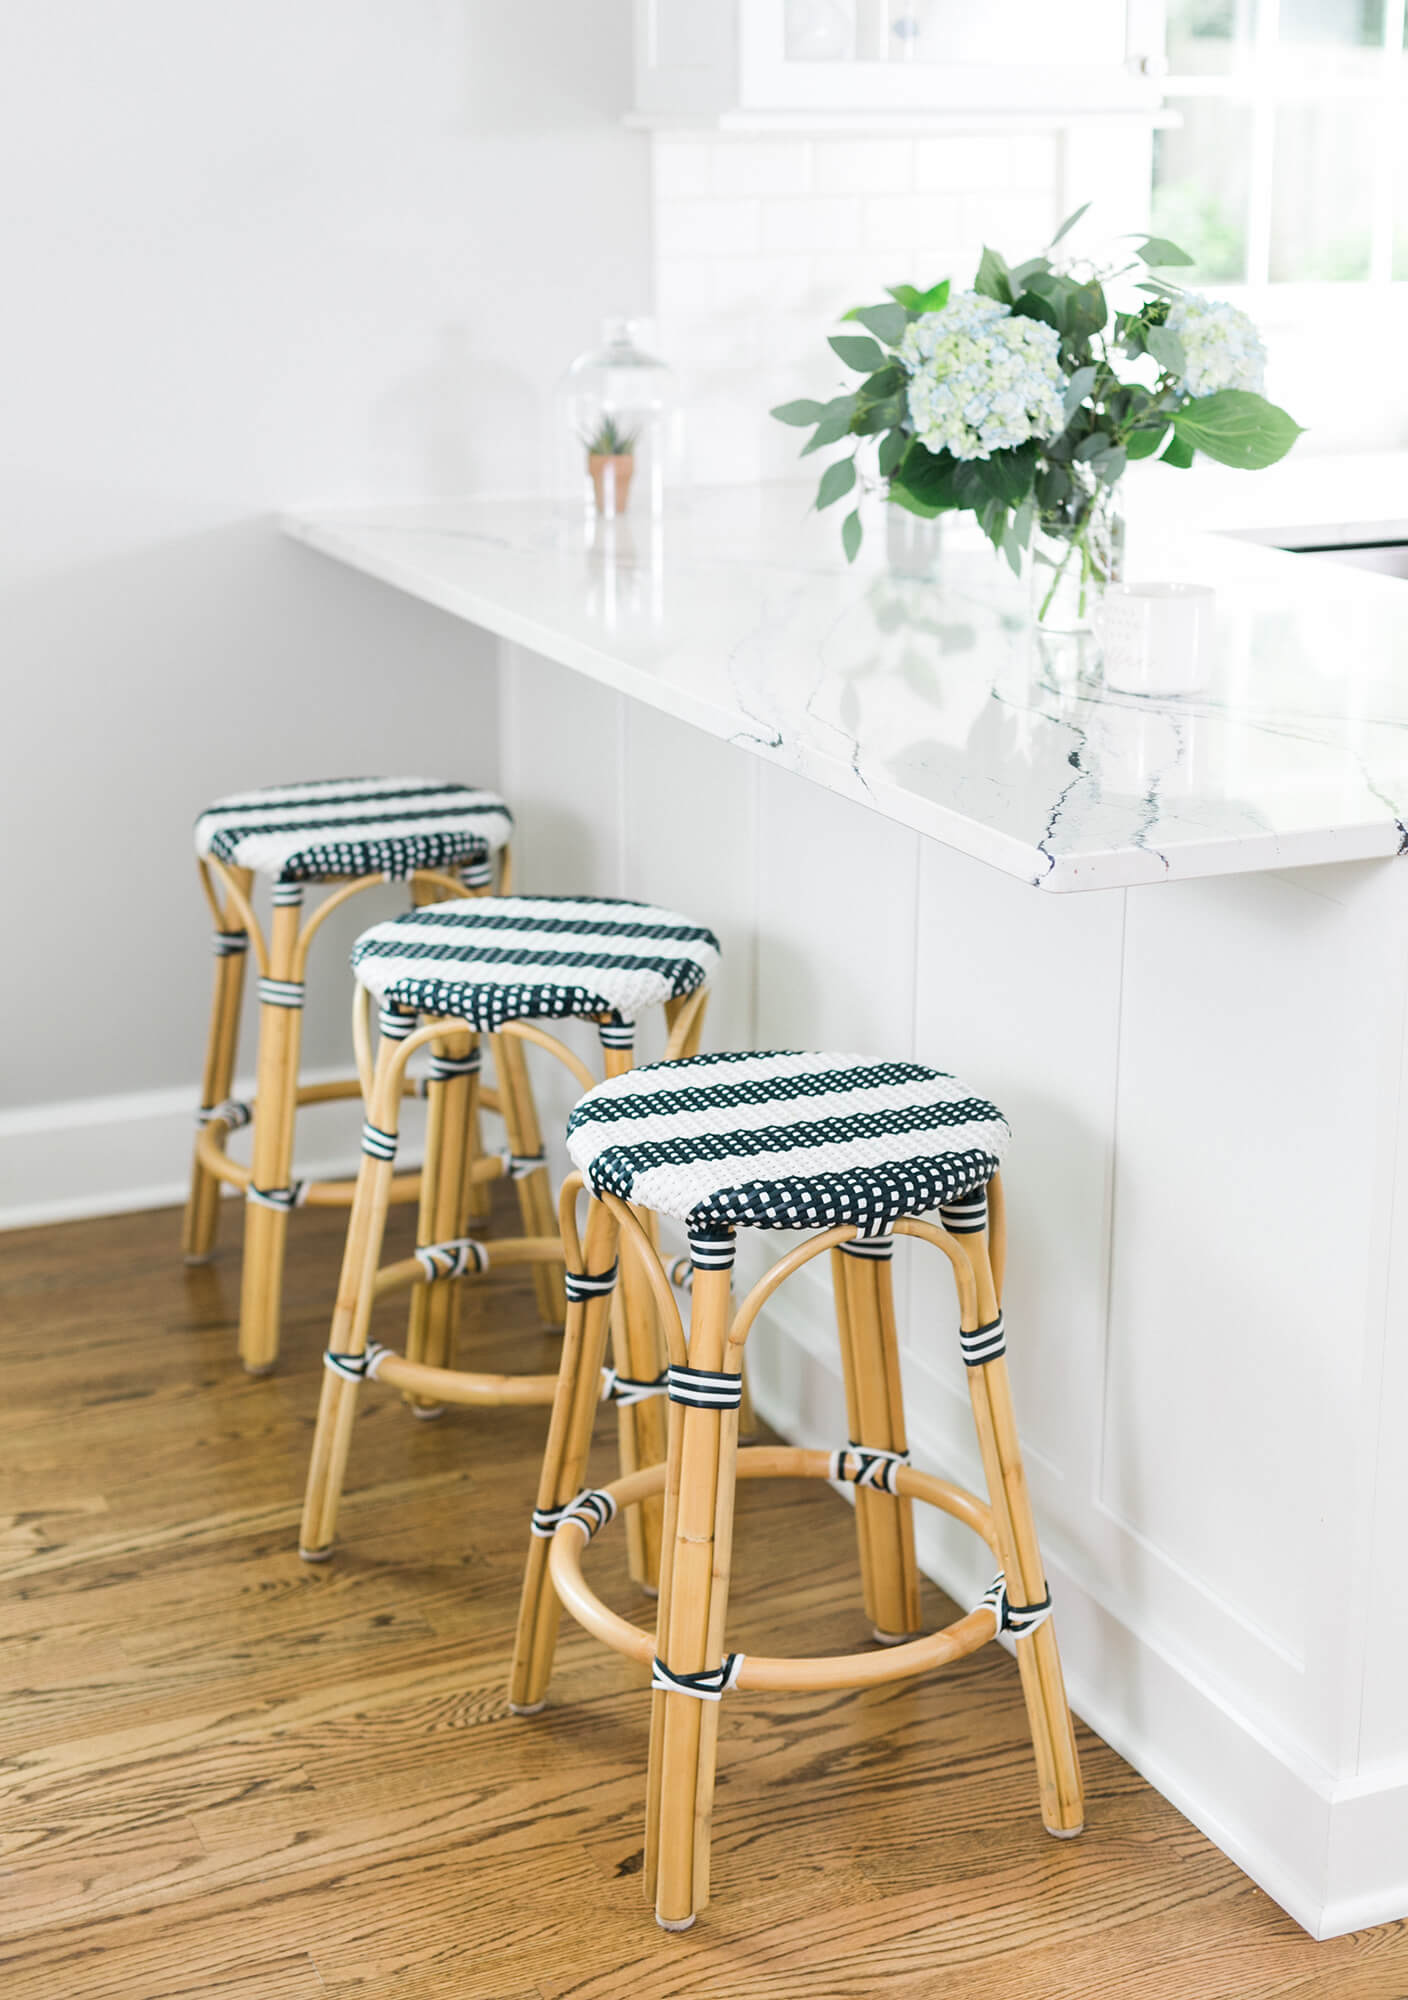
[(1208, 36), (1322, 192), (1202, 172), (1343, 39), (1333, 23), (819, 30)]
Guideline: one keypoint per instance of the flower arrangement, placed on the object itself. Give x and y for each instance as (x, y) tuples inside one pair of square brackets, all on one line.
[(1022, 400)]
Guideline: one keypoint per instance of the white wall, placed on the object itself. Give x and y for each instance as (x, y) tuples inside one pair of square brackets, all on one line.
[(251, 255)]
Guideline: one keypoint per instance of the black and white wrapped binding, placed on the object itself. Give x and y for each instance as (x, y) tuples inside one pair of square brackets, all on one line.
[(881, 1247), (518, 1166), (288, 895), (983, 1343), (627, 1389), (285, 1198), (281, 992), (704, 1388), (478, 874), (452, 1259), (1018, 1619), (395, 1023), (583, 1285), (376, 1144), (708, 1685), (589, 1511), (442, 1068), (356, 1367), (966, 1217), (229, 944), (231, 1113), (681, 1275), (712, 1253), (617, 1034), (868, 1465)]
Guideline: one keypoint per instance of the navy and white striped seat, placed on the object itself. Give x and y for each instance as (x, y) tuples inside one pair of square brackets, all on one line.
[(786, 1140), (525, 958), (355, 826)]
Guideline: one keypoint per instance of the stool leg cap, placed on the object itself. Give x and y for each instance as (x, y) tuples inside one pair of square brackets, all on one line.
[(890, 1638), (674, 1923), (314, 1555), (193, 1258), (527, 1707), (263, 1368), (427, 1413), (1066, 1832)]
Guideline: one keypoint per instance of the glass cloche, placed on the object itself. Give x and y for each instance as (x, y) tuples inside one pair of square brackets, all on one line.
[(620, 420)]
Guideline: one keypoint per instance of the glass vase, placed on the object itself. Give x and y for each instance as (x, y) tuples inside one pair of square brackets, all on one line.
[(1072, 560)]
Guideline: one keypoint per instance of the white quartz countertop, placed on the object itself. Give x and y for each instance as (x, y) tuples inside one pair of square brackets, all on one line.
[(931, 700)]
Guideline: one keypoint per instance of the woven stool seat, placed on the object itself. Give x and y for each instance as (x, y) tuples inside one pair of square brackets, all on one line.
[(786, 1140), (354, 826), (523, 958)]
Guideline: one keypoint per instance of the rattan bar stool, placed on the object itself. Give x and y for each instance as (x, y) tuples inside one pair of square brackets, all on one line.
[(347, 835), (859, 1152), (500, 966)]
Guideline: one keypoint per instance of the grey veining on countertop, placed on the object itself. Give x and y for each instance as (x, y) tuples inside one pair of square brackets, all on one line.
[(932, 700)]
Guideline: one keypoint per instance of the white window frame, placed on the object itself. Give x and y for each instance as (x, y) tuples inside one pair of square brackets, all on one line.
[(1260, 82)]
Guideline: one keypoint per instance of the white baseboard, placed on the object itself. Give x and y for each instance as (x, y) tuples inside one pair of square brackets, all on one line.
[(1333, 1854), (111, 1155)]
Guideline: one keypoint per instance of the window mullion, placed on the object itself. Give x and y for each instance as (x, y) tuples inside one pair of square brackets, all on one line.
[(1263, 142)]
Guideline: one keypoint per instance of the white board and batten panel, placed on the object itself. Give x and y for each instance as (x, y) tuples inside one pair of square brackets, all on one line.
[(1202, 1080)]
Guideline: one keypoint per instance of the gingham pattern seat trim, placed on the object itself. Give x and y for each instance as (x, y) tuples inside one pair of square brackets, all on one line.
[(786, 1140), (518, 958), (354, 826)]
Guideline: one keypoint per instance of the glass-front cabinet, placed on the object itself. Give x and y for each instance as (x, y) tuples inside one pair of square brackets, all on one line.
[(756, 57)]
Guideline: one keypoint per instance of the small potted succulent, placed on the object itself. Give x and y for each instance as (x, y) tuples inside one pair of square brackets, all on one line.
[(611, 461)]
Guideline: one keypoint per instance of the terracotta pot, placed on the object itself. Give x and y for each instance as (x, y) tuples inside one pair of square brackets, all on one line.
[(611, 480)]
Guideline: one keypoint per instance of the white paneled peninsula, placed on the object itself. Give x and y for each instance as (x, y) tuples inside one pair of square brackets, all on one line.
[(885, 797)]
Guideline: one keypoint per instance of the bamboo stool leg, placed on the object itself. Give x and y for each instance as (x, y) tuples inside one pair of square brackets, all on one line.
[(1043, 1684), (690, 1634), (525, 1141), (271, 1193), (222, 1040), (574, 1410), (870, 1363), (347, 1339), (430, 1321), (638, 1345)]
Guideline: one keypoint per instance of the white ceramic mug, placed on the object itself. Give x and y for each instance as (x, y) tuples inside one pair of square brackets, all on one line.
[(1157, 638)]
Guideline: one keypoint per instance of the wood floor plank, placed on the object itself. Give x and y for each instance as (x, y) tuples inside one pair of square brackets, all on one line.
[(225, 1773)]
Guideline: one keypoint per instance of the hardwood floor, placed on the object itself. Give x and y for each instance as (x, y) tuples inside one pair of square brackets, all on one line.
[(231, 1775)]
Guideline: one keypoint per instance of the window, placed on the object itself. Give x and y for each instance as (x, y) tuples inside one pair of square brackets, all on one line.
[(1290, 161)]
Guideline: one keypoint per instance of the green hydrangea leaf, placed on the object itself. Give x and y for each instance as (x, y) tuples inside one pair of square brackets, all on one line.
[(858, 351), (892, 450), (994, 280), (887, 323), (803, 411), (1157, 250), (838, 479), (1237, 428), (1144, 444)]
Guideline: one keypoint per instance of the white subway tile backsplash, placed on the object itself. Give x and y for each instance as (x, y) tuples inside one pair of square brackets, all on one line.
[(977, 161), (682, 165), (907, 221), (707, 228), (761, 166), (762, 242), (862, 166), (816, 222)]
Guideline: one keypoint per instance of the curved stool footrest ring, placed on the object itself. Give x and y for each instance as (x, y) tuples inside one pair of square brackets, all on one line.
[(759, 1673)]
